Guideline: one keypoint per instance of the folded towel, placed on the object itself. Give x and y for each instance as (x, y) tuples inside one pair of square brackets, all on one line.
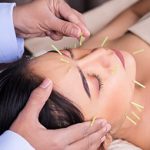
[(122, 145)]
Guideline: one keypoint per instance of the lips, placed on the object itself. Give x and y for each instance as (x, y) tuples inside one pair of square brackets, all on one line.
[(120, 56)]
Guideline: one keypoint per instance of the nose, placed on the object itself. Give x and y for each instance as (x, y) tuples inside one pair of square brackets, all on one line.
[(99, 56)]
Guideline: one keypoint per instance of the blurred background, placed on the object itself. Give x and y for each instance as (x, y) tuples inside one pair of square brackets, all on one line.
[(80, 5)]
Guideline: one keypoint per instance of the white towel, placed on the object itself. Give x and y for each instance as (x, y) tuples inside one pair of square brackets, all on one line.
[(122, 145), (142, 28)]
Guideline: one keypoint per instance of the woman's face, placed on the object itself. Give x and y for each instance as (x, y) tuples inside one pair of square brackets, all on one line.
[(97, 81)]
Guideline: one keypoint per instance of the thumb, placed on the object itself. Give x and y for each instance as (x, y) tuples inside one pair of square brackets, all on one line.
[(37, 99)]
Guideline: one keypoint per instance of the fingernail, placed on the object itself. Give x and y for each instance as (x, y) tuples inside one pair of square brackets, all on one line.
[(46, 83), (108, 127), (76, 32)]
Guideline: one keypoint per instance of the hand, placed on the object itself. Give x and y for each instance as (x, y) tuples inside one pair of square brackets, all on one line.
[(80, 136), (52, 18)]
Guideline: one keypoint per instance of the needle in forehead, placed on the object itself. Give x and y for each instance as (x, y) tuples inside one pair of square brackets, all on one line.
[(56, 49)]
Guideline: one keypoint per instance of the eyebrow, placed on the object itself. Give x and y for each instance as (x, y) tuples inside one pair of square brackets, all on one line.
[(84, 81)]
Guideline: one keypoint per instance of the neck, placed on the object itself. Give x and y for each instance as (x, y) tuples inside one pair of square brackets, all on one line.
[(129, 129)]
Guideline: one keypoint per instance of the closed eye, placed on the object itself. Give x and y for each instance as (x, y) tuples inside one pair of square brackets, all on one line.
[(98, 81)]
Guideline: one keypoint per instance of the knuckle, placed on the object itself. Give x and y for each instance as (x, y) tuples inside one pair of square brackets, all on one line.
[(92, 141), (89, 143), (66, 28), (73, 17), (38, 93), (57, 145), (58, 141), (57, 37)]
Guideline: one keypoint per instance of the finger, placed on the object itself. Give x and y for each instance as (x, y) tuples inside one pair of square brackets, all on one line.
[(91, 142), (66, 28), (79, 15), (83, 25), (54, 35), (31, 35), (68, 14), (58, 33), (37, 99), (81, 130)]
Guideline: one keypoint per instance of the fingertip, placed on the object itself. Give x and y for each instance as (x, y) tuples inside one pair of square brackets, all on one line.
[(86, 33), (101, 122), (46, 83), (108, 127)]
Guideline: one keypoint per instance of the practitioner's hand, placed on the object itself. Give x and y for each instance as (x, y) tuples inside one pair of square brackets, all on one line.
[(80, 136), (54, 18)]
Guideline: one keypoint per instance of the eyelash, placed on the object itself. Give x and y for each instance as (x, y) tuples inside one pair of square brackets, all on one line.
[(99, 80)]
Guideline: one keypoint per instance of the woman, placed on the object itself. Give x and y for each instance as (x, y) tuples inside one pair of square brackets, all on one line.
[(89, 83)]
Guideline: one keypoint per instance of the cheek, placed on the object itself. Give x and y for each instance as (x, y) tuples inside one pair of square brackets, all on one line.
[(114, 100)]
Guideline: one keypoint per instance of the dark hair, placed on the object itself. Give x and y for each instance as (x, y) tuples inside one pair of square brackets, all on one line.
[(16, 84)]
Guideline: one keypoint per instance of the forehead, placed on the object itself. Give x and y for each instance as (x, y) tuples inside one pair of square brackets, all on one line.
[(50, 66), (51, 61)]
